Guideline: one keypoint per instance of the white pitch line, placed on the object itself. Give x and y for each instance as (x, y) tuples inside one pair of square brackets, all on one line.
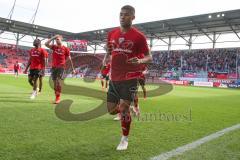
[(190, 146)]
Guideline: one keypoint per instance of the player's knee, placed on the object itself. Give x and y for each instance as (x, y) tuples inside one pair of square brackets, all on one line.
[(34, 79), (124, 104), (30, 81), (112, 111), (112, 108)]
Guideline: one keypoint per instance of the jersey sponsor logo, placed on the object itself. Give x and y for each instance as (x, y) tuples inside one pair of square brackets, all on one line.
[(35, 54), (59, 51), (124, 46), (122, 50)]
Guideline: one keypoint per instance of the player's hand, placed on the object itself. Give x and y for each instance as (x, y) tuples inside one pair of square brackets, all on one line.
[(56, 36), (145, 72), (25, 72), (135, 60), (43, 72), (74, 72)]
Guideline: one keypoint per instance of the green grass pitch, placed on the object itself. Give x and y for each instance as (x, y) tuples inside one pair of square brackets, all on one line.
[(30, 130)]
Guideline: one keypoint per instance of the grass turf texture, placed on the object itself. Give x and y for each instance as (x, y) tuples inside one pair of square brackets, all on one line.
[(29, 130), (225, 147)]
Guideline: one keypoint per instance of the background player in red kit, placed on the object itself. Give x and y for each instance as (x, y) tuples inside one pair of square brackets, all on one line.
[(37, 62), (125, 44), (16, 68), (105, 75), (60, 55)]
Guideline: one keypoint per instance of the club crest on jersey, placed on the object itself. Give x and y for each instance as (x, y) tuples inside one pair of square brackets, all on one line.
[(59, 51), (127, 44), (120, 40)]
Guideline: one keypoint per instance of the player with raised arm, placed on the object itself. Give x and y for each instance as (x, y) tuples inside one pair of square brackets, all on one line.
[(60, 55)]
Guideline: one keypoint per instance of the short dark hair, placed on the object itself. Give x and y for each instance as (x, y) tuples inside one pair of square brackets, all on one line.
[(37, 40), (129, 8)]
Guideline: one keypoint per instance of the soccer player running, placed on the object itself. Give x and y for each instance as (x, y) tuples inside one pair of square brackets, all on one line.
[(60, 55), (125, 44), (16, 68), (37, 62), (105, 75)]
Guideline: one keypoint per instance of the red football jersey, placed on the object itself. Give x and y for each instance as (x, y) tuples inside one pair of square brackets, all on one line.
[(142, 76), (106, 70), (16, 67), (124, 46), (59, 56), (37, 58)]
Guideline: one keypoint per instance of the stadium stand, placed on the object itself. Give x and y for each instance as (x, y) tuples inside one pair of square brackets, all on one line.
[(9, 54), (169, 64), (218, 60)]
